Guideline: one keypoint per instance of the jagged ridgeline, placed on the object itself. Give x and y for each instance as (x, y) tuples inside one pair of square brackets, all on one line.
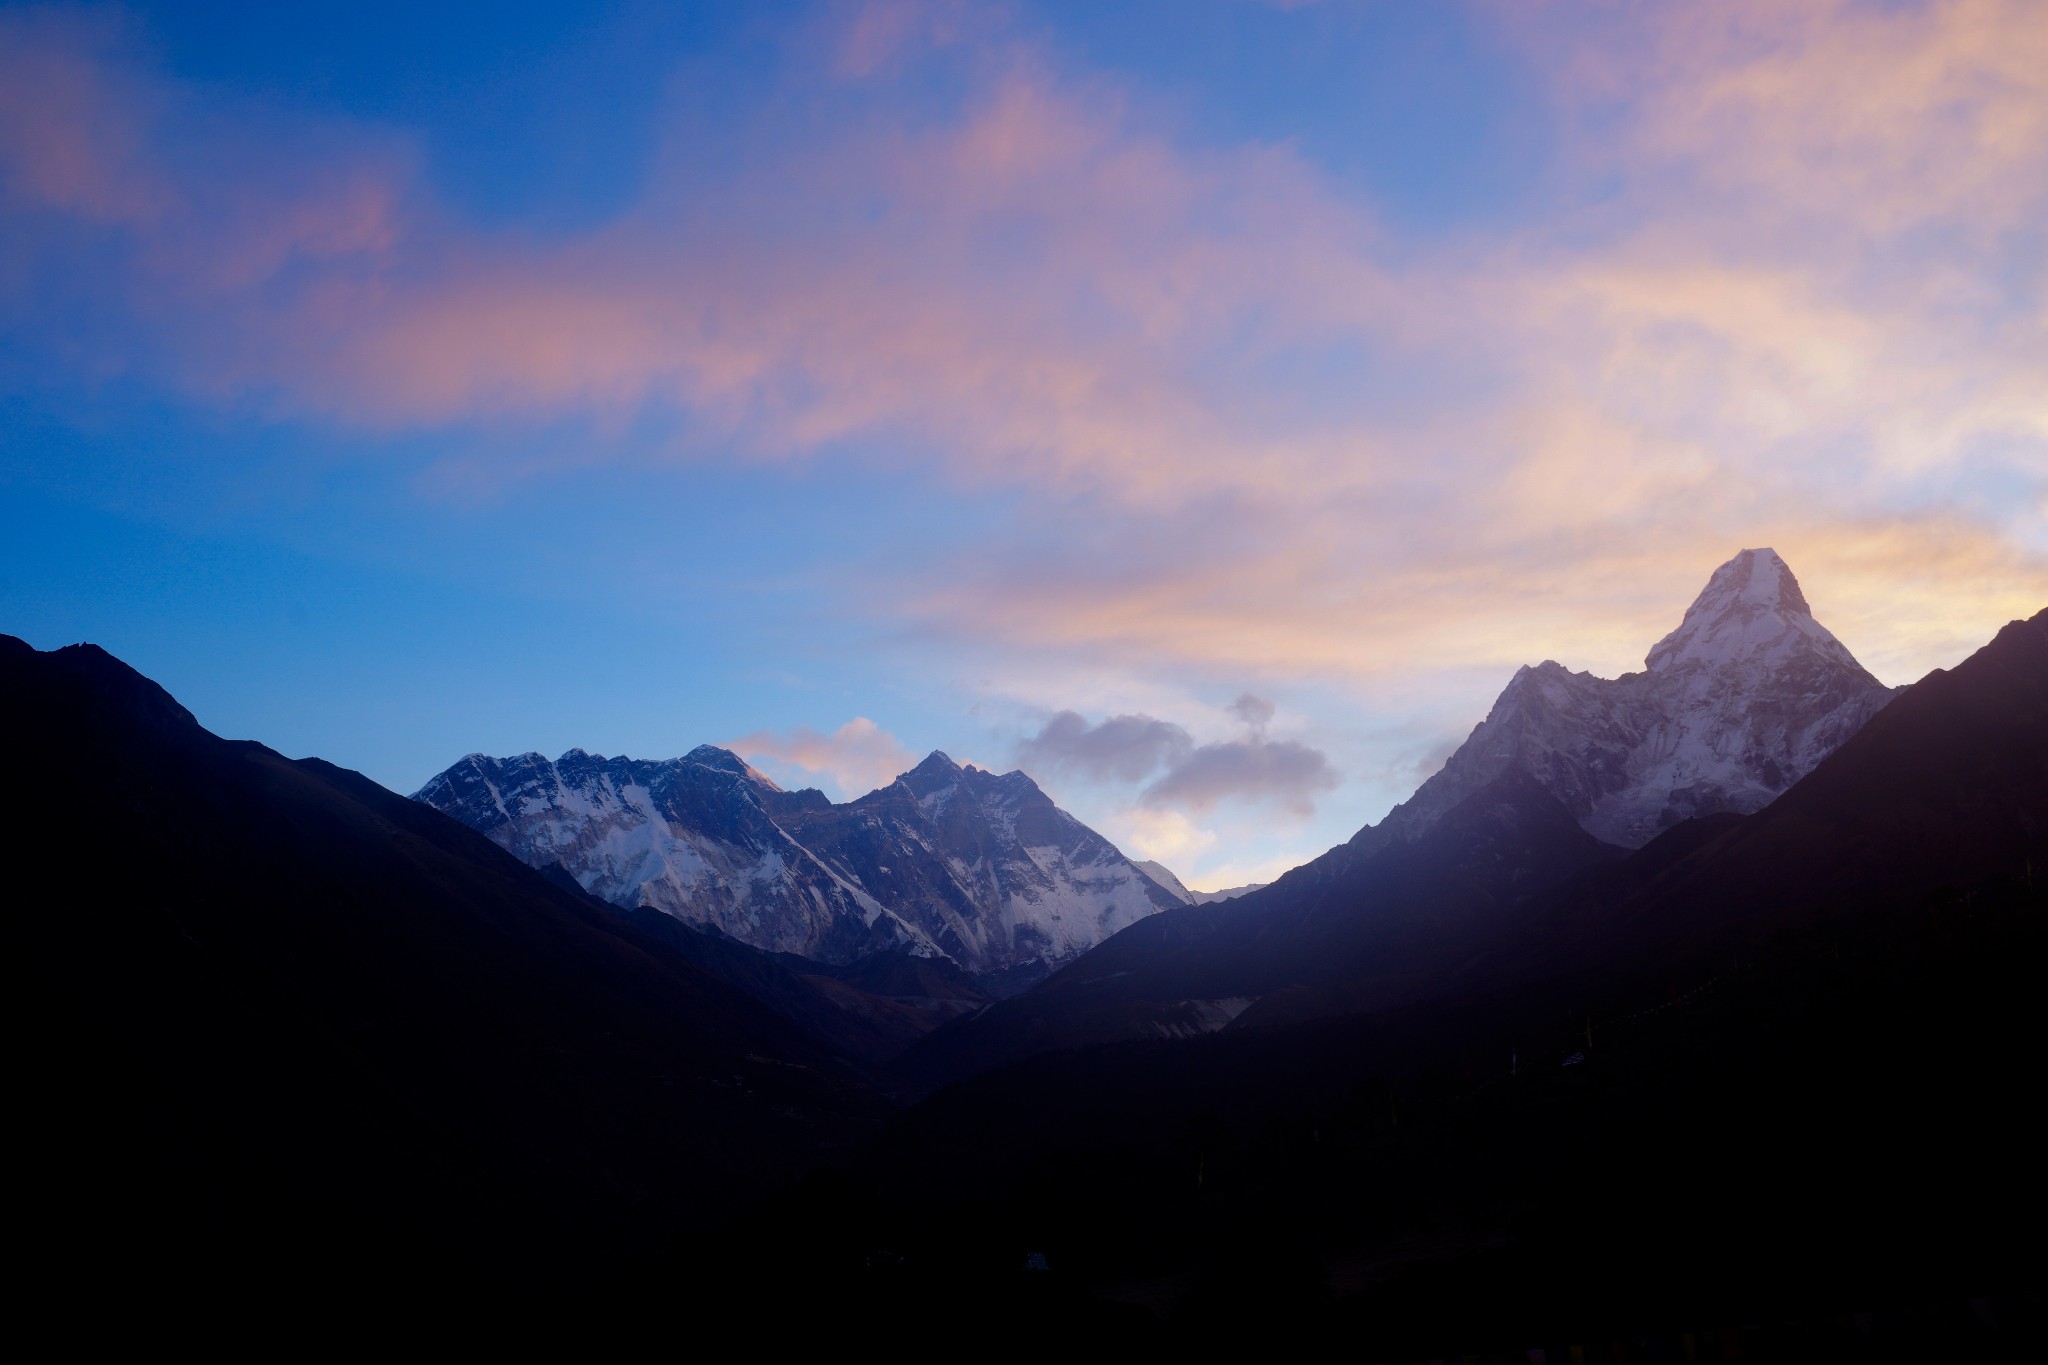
[(1746, 697), (1733, 707), (1743, 699), (949, 859)]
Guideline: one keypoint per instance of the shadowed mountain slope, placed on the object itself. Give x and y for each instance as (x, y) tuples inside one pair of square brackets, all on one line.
[(1745, 696), (1767, 1070), (1388, 927), (1945, 789), (1943, 799), (293, 1030)]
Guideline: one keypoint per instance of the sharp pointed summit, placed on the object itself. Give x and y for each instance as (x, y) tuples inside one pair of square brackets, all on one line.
[(1737, 704), (936, 773), (1751, 611)]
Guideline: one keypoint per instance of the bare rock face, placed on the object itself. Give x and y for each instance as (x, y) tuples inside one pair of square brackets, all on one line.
[(1734, 706), (948, 860)]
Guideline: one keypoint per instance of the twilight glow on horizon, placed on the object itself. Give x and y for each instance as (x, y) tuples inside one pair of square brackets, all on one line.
[(1204, 405)]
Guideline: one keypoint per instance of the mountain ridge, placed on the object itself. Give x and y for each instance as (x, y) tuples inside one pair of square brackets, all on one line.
[(1736, 703), (293, 1026), (1746, 692), (948, 860)]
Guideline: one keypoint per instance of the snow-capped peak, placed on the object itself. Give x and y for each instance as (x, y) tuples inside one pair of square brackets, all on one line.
[(978, 867), (726, 761), (933, 778), (1750, 612), (1742, 700)]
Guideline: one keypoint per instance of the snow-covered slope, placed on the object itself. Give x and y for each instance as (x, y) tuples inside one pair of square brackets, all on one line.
[(952, 860), (1228, 893), (1734, 706), (699, 837), (1161, 873), (984, 864)]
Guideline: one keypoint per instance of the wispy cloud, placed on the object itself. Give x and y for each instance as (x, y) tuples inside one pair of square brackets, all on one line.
[(1807, 307)]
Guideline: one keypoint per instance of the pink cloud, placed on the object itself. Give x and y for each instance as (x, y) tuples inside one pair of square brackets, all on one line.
[(873, 37), (73, 127), (1043, 279), (858, 757), (1891, 115), (1791, 326)]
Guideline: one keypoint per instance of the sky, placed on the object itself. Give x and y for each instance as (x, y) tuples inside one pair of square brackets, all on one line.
[(1205, 406)]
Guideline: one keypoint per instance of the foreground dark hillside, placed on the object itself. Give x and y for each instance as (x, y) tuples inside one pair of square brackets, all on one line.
[(1376, 931), (1945, 786), (1838, 1122), (1773, 1071), (289, 1033), (293, 1041)]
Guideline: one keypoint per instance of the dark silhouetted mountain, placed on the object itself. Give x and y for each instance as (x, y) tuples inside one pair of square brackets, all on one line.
[(293, 1033), (1746, 695), (1947, 788), (948, 860), (1387, 928), (871, 1010), (1761, 1077)]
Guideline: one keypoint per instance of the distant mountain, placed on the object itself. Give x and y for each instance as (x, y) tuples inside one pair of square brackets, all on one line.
[(1160, 873), (1228, 893), (294, 1032), (1940, 799), (948, 860), (1734, 706), (1945, 790), (1746, 696), (1388, 926), (1764, 1069)]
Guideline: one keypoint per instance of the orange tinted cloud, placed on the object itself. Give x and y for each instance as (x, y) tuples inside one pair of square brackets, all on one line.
[(858, 757), (1811, 317), (1888, 114)]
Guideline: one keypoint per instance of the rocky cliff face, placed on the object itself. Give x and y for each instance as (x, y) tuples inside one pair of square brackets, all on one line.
[(1734, 706), (947, 860)]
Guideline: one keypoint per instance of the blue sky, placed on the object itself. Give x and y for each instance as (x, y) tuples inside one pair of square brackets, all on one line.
[(846, 381)]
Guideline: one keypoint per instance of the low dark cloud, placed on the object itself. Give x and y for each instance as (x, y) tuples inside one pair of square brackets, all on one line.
[(1254, 769), (1184, 775), (1125, 748)]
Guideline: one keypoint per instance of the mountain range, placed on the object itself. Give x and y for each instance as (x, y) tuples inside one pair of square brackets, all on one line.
[(1568, 771), (1698, 996), (949, 860), (1764, 1072), (289, 1026), (1745, 696)]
